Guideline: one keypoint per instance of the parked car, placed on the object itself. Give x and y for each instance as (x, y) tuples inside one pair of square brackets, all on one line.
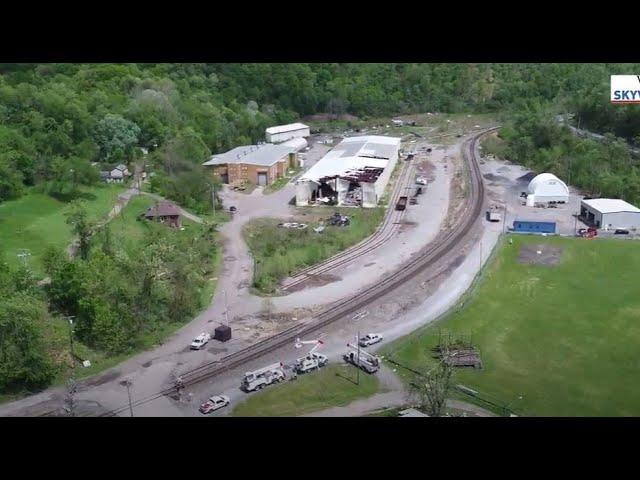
[(621, 231), (200, 341), (214, 403), (421, 181), (370, 339)]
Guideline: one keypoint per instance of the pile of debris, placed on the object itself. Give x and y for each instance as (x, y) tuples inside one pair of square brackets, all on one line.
[(353, 197), (239, 185), (338, 220), (458, 353), (295, 225)]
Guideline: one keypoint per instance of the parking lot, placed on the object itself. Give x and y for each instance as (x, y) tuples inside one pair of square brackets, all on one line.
[(505, 183)]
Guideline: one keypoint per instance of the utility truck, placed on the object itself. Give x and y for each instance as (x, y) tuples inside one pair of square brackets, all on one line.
[(312, 360), (362, 359), (262, 377)]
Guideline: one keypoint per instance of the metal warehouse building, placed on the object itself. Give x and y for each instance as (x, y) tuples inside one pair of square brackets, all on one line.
[(546, 187), (610, 213), (282, 133), (354, 173)]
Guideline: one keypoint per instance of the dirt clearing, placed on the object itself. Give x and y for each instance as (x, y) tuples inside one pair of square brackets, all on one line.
[(537, 254)]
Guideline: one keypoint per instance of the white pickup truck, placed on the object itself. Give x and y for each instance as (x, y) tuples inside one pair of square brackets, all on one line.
[(370, 339), (200, 341)]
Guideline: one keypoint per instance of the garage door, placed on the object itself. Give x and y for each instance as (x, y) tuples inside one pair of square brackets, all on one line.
[(262, 178)]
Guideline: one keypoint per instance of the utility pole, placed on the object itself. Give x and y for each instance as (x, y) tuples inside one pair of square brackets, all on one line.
[(70, 319), (213, 197), (226, 309), (358, 362), (127, 383), (504, 220)]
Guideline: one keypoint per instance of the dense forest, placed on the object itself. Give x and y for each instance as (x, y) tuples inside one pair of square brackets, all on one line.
[(60, 124), (55, 119)]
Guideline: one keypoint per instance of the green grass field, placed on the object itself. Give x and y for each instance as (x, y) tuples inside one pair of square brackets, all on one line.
[(36, 221), (279, 252), (565, 337), (332, 386)]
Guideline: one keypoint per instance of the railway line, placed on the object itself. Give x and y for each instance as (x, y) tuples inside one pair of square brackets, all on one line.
[(383, 234), (448, 240)]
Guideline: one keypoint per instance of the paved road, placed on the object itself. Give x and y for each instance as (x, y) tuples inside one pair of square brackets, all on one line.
[(152, 370)]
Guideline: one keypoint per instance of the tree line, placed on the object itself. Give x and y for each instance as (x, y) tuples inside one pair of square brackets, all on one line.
[(117, 289), (55, 119)]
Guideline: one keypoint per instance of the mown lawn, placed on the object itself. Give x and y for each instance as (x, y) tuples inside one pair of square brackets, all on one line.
[(331, 386), (280, 252), (565, 337), (36, 220)]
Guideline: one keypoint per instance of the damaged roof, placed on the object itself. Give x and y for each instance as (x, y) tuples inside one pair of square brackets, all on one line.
[(162, 209), (264, 155), (353, 154)]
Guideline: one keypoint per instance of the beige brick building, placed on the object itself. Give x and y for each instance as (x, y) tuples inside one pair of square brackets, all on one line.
[(257, 164)]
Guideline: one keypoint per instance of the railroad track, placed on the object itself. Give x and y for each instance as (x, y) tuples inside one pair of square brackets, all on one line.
[(383, 234), (444, 243)]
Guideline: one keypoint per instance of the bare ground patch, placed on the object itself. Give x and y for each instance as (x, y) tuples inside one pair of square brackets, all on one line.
[(426, 169), (536, 254), (102, 379)]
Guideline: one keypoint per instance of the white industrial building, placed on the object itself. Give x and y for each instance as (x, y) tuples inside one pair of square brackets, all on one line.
[(297, 144), (282, 133), (354, 173), (545, 188), (610, 213)]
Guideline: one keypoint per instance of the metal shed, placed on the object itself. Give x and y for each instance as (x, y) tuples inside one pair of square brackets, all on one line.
[(610, 213), (529, 226), (282, 133)]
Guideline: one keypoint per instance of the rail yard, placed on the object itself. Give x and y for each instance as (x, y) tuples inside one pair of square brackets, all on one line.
[(273, 348)]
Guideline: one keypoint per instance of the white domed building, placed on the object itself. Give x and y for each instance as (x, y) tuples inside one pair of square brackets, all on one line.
[(545, 188)]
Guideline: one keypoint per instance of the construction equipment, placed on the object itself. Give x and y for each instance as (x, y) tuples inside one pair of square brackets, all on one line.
[(312, 360), (258, 379), (362, 359)]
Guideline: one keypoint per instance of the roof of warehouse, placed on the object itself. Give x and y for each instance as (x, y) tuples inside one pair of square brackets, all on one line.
[(611, 205), (286, 128), (354, 153), (265, 155)]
